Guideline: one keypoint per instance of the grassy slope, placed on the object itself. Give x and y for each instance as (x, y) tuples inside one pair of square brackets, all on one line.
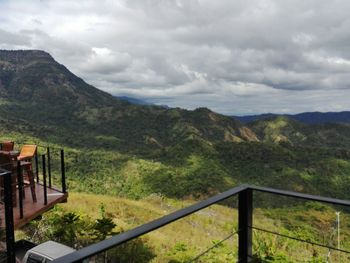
[(188, 237), (177, 170)]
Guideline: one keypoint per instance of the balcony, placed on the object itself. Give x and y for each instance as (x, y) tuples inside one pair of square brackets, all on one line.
[(32, 210), (17, 205)]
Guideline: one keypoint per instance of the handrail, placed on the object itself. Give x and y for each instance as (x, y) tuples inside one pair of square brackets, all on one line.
[(10, 237), (104, 245), (212, 247)]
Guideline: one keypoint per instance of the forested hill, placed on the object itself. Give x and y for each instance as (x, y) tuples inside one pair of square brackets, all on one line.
[(46, 99), (281, 129)]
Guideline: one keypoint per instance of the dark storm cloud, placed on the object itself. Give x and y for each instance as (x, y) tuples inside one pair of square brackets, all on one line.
[(232, 56)]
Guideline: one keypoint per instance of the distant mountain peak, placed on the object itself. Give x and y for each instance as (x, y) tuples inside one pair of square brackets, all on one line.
[(305, 117), (35, 77)]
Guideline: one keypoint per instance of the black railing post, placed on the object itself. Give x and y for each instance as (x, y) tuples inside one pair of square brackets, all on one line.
[(20, 189), (245, 222), (10, 236), (63, 171), (37, 167), (49, 166), (44, 179)]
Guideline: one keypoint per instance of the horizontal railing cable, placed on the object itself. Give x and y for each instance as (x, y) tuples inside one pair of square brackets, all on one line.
[(299, 239), (212, 247)]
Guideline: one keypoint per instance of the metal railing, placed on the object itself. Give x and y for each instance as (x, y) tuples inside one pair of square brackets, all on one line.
[(245, 222), (45, 181), (46, 162), (10, 235)]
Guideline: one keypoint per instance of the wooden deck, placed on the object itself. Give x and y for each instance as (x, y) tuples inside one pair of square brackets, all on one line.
[(32, 210)]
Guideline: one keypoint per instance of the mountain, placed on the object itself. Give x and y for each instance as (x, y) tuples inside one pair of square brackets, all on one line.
[(282, 129), (323, 117), (277, 129), (306, 117), (44, 98)]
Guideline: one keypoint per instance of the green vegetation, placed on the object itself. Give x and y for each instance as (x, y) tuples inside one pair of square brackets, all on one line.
[(156, 160), (78, 230), (87, 218)]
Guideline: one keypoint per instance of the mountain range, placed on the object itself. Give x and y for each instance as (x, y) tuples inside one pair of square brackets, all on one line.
[(145, 149), (305, 117), (44, 98)]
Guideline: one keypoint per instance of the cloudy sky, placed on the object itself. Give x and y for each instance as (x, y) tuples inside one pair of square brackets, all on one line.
[(233, 56)]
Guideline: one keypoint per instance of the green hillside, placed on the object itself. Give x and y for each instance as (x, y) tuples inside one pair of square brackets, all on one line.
[(184, 240), (134, 152), (282, 129)]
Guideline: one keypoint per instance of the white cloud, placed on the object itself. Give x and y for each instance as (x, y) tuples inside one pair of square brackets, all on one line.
[(232, 56)]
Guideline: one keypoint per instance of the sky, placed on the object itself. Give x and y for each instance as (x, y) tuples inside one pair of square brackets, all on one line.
[(236, 57)]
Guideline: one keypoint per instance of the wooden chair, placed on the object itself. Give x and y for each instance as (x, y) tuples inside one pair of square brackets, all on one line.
[(27, 152), (25, 157), (7, 146)]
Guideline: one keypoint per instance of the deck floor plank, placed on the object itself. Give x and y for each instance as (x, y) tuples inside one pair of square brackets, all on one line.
[(32, 210)]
